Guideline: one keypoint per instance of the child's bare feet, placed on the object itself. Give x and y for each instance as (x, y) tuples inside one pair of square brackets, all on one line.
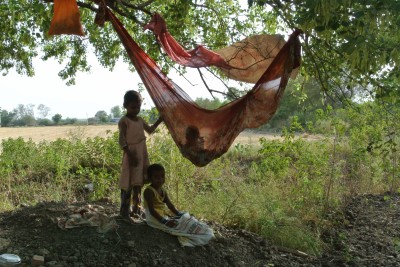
[(137, 213)]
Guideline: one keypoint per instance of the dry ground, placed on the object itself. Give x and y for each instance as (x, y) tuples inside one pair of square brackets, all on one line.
[(366, 235)]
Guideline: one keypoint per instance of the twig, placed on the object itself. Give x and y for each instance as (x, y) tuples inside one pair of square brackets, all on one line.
[(140, 7)]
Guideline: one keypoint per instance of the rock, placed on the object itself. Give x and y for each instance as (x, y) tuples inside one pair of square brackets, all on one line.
[(43, 252), (53, 264), (37, 260), (4, 243)]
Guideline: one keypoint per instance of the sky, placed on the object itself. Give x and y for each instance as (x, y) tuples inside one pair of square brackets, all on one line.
[(98, 90)]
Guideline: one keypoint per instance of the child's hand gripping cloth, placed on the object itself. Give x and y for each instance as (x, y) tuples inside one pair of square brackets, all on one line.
[(190, 231)]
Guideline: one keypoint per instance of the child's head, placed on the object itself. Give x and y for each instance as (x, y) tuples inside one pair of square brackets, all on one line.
[(132, 102), (192, 134), (156, 174), (193, 138)]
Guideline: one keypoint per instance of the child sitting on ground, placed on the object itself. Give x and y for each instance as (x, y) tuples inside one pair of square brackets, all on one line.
[(162, 214)]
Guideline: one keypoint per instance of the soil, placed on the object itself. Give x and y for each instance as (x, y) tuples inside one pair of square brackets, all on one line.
[(367, 233)]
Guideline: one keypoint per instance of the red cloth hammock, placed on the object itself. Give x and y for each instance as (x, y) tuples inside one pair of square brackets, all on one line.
[(203, 135), (197, 58), (244, 61)]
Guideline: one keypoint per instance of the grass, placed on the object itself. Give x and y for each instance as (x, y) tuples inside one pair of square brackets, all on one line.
[(280, 188)]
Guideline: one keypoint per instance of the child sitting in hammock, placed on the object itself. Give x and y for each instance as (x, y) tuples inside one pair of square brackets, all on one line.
[(162, 214)]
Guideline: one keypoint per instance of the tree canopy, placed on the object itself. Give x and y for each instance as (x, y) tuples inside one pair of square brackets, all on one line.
[(349, 46)]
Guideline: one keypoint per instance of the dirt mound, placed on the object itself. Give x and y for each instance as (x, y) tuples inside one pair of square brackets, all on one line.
[(368, 235)]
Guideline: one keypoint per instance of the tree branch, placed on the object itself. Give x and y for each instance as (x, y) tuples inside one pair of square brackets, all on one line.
[(208, 88), (140, 7)]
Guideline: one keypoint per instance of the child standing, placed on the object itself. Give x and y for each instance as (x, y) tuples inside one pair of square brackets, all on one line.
[(135, 159), (162, 214)]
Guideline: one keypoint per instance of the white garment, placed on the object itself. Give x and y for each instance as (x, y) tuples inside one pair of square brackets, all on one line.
[(190, 231)]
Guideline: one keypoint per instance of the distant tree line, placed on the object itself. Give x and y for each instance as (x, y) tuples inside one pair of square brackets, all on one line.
[(28, 115), (301, 99)]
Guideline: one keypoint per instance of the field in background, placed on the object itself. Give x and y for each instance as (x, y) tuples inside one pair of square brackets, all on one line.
[(51, 133)]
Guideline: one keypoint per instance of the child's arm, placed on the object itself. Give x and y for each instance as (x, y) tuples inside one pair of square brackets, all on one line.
[(122, 127), (149, 196), (171, 206), (152, 128)]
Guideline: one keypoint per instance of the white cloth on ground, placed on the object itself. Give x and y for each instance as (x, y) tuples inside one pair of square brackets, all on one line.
[(190, 231), (88, 215)]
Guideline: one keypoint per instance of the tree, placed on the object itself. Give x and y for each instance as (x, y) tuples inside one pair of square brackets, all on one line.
[(57, 118), (43, 111), (92, 121), (20, 43), (208, 103), (6, 117), (301, 99), (70, 121), (44, 122), (116, 112), (149, 115), (347, 44), (101, 116), (24, 115)]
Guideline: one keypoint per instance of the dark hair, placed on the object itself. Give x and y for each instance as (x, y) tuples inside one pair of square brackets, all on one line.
[(192, 133), (154, 167), (132, 96)]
